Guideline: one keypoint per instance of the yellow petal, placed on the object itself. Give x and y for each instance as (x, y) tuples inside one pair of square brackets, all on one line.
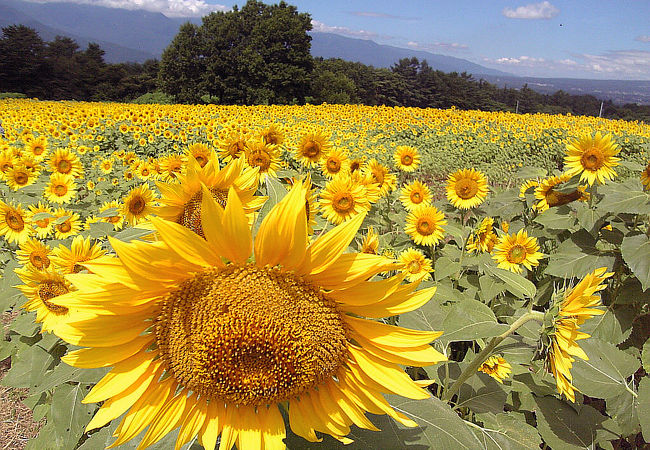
[(249, 435), (300, 412), (235, 226), (212, 425), (88, 358), (351, 269), (391, 335), (165, 421), (186, 243), (123, 375), (273, 430), (395, 304)]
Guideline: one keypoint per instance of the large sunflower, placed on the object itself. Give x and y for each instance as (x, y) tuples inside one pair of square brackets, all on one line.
[(335, 162), (416, 266), (593, 157), (19, 176), (41, 218), (342, 199), (66, 162), (467, 188), (312, 148), (578, 305), (380, 174), (69, 260), (34, 253), (205, 339), (406, 158), (138, 204), (516, 250), (66, 223), (549, 196), (61, 188), (415, 194), (266, 157), (13, 223), (424, 225), (37, 148)]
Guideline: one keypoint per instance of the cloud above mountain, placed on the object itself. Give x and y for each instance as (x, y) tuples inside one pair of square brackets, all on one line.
[(543, 10), (170, 8)]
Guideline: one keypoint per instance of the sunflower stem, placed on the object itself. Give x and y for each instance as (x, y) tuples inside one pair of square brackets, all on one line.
[(486, 352)]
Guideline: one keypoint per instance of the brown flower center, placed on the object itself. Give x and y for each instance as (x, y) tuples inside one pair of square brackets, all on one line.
[(14, 221), (64, 166), (64, 227), (517, 254), (137, 205), (593, 159), (407, 160), (60, 190), (21, 178), (343, 202), (260, 159), (416, 197), (311, 149), (49, 289), (466, 188), (39, 260), (333, 165)]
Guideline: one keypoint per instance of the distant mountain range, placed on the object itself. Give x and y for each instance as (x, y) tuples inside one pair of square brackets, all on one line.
[(137, 35)]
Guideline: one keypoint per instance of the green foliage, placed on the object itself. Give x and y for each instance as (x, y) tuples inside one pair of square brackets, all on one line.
[(4, 95), (156, 97)]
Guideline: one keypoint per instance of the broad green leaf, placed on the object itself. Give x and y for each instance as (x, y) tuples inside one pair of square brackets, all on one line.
[(457, 232), (490, 287), (577, 256), (643, 408), (130, 234), (517, 349), (556, 218), (46, 439), (636, 253), (645, 356), (100, 229), (604, 374), (429, 316), (24, 324), (515, 283), (589, 218), (470, 320), (275, 191), (507, 432), (622, 409), (482, 393), (614, 326), (445, 267), (626, 197), (68, 415), (28, 367)]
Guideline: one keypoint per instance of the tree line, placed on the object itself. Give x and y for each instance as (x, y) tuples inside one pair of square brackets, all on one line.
[(260, 54)]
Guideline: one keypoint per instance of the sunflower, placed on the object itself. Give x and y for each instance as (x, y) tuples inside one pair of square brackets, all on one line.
[(7, 161), (116, 219), (13, 223), (181, 202), (593, 157), (516, 250), (466, 188), (233, 146), (66, 162), (106, 165), (497, 367), (424, 225), (312, 148), (311, 204), (380, 175), (415, 194), (645, 176), (31, 164), (41, 286), (37, 148), (138, 205), (358, 164), (265, 157), (343, 199), (203, 338), (370, 243), (201, 153), (68, 260), (144, 171), (335, 162), (273, 135), (61, 188), (19, 176), (33, 253), (406, 158), (66, 223), (549, 196), (41, 218), (483, 239), (577, 305), (171, 166), (526, 186), (416, 266)]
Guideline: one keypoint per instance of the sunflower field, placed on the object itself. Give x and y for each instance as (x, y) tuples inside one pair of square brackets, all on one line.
[(324, 277)]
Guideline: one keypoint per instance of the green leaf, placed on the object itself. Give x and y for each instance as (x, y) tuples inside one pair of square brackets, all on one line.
[(68, 415), (556, 218), (46, 439), (645, 356), (429, 316), (604, 374), (482, 393), (625, 197), (445, 267), (614, 326), (622, 409), (578, 256), (643, 408), (129, 234), (457, 232), (515, 283), (100, 229), (589, 218), (490, 287), (507, 432), (440, 426), (636, 253), (469, 320), (28, 367)]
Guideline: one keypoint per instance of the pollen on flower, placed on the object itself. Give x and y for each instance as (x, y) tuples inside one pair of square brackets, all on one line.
[(191, 215)]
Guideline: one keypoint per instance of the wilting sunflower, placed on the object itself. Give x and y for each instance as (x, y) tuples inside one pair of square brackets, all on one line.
[(116, 219), (60, 189), (201, 153), (19, 176), (483, 239), (139, 204), (467, 188), (13, 223), (66, 223), (416, 266), (406, 158), (424, 225), (205, 339), (497, 367), (265, 157), (516, 250), (342, 199), (312, 148), (577, 305), (645, 177), (549, 196), (593, 157), (40, 287), (181, 202), (380, 175), (37, 148), (335, 162), (68, 260), (41, 218), (34, 253), (66, 162), (370, 243), (415, 194)]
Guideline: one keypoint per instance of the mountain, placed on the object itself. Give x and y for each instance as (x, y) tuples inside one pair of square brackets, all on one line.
[(329, 45)]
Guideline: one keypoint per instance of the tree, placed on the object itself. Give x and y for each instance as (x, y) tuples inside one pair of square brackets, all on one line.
[(22, 60)]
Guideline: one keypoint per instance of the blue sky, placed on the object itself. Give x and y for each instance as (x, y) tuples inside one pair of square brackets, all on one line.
[(606, 39)]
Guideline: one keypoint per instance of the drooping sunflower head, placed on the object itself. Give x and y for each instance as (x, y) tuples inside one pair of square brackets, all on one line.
[(516, 250), (60, 189), (415, 194), (335, 162), (312, 148), (358, 164), (34, 253), (14, 225), (406, 158), (19, 176), (416, 266), (645, 176), (593, 157), (549, 194), (497, 367), (66, 162), (467, 188), (380, 175), (216, 342), (69, 260), (138, 204), (483, 239), (342, 199), (425, 225)]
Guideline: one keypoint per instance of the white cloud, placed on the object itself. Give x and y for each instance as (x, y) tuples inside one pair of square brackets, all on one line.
[(437, 46), (644, 38), (543, 10), (345, 31), (170, 8)]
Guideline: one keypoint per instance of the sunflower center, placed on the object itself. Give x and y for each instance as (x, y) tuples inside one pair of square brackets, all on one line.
[(466, 188), (201, 160), (592, 159), (38, 149), (39, 260), (517, 254), (60, 190), (64, 227), (64, 166), (407, 160), (137, 205), (42, 223), (261, 160), (191, 215), (14, 221), (378, 176), (311, 149), (343, 202), (416, 197), (424, 226), (414, 267), (49, 289), (251, 336), (21, 178), (333, 165)]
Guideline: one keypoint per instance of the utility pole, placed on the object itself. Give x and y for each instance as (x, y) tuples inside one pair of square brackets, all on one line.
[(600, 114), (517, 108)]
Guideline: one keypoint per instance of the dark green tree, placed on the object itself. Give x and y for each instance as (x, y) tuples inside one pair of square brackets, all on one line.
[(22, 61)]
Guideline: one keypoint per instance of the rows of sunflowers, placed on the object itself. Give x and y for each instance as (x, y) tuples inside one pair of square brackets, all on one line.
[(325, 276)]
